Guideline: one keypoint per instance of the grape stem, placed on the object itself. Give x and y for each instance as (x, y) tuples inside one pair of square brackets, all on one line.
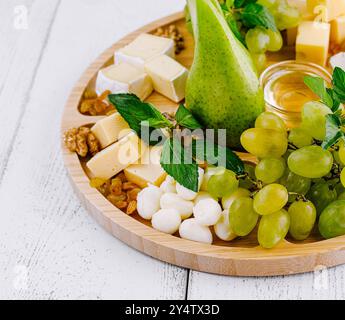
[(299, 196)]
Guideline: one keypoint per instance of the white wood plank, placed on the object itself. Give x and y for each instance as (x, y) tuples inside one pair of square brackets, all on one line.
[(321, 284), (49, 247), (20, 56)]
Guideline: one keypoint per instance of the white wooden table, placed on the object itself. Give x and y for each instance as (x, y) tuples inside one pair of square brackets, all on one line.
[(49, 247)]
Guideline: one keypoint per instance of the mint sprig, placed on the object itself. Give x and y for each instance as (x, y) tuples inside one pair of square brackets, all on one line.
[(186, 119), (255, 14)]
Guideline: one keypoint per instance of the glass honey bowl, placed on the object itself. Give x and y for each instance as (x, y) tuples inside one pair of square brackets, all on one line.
[(285, 91)]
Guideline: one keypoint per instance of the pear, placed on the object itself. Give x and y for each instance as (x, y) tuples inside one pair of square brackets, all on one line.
[(223, 90)]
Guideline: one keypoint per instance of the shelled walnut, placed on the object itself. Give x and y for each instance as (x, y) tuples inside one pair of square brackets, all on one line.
[(173, 33), (82, 141), (95, 105), (119, 191)]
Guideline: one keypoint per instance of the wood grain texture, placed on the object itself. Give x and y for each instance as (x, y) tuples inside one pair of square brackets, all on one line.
[(242, 257), (49, 247)]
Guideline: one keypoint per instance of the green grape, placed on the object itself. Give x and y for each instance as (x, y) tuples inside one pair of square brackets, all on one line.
[(247, 183), (314, 120), (276, 40), (264, 143), (257, 40), (321, 195), (209, 172), (311, 162), (332, 220), (243, 218), (273, 229), (270, 199), (222, 183), (260, 61), (337, 158), (342, 177), (295, 183), (339, 188), (286, 17), (341, 152), (269, 120), (300, 138), (341, 196), (302, 219), (269, 170), (239, 193)]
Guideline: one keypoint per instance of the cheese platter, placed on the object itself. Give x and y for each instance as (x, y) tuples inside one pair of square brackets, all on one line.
[(139, 202)]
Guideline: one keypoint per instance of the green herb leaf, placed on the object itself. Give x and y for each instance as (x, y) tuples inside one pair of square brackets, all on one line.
[(242, 3), (335, 98), (339, 83), (318, 86), (135, 112), (229, 4), (186, 119), (217, 155), (178, 163), (333, 131), (255, 14)]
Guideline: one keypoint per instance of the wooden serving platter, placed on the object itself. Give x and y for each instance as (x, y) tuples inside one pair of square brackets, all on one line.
[(241, 257)]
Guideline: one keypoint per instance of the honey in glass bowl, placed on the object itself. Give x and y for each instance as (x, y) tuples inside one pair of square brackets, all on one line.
[(285, 91)]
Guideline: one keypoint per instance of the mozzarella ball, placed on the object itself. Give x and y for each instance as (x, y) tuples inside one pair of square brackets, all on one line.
[(166, 220), (207, 212), (239, 193), (187, 194), (174, 201), (223, 229), (190, 229), (149, 201), (201, 196), (168, 186)]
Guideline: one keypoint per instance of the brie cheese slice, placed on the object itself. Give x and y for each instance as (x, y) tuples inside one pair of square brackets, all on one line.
[(124, 78)]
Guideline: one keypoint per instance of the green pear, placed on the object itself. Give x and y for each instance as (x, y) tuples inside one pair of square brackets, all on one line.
[(223, 89)]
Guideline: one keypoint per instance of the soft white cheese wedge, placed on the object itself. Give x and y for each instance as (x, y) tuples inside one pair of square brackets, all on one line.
[(110, 129), (124, 78), (338, 60), (148, 171), (117, 157), (168, 76), (144, 48)]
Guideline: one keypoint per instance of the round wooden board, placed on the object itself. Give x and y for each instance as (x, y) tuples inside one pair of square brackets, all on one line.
[(242, 257)]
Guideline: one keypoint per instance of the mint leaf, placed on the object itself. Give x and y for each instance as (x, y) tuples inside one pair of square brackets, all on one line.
[(255, 14), (339, 83), (232, 23), (333, 131), (335, 98), (206, 150), (135, 112), (178, 163), (318, 86), (186, 119), (159, 123), (242, 3)]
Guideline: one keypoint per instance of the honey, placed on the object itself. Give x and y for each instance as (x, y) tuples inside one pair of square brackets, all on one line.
[(285, 91)]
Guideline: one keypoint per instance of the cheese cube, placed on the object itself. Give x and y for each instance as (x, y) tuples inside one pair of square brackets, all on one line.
[(312, 42), (110, 129), (338, 30), (124, 78), (148, 171), (329, 9), (168, 76), (144, 48), (338, 61), (117, 157)]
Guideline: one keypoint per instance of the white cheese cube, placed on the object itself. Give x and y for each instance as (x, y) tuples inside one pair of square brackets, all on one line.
[(144, 48), (110, 129), (148, 171), (117, 157), (338, 60), (124, 78), (168, 76)]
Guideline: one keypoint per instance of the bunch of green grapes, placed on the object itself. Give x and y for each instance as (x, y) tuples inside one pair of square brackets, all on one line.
[(294, 183)]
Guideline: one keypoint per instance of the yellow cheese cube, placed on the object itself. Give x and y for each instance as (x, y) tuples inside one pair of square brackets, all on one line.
[(148, 171), (110, 129), (338, 30), (168, 76), (329, 9), (117, 157), (312, 42)]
